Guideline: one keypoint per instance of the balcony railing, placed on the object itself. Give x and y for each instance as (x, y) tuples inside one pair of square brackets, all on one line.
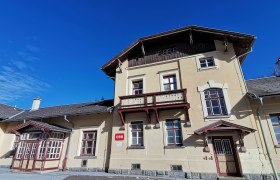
[(147, 100)]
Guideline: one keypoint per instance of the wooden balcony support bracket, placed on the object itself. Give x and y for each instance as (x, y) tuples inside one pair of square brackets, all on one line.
[(157, 115), (121, 117), (241, 141), (148, 114), (205, 140)]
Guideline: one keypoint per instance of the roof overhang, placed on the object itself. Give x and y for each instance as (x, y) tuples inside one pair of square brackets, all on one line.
[(245, 40), (221, 125)]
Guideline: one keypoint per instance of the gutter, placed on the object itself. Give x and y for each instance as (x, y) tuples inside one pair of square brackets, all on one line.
[(260, 117), (64, 165)]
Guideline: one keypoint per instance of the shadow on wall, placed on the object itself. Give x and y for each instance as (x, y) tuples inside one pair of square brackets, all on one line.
[(194, 141), (8, 154), (240, 109)]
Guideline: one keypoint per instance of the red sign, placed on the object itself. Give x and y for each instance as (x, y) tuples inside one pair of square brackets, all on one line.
[(119, 136)]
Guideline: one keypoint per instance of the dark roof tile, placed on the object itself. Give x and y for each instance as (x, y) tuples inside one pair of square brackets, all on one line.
[(267, 86), (57, 111)]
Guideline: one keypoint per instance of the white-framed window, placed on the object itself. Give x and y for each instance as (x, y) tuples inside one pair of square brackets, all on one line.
[(136, 84), (88, 147), (137, 87), (169, 80), (174, 132), (137, 138), (42, 149), (215, 100), (275, 121), (20, 150), (207, 62), (54, 149)]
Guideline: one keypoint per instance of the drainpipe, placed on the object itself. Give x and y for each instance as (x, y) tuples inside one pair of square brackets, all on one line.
[(260, 115), (64, 166)]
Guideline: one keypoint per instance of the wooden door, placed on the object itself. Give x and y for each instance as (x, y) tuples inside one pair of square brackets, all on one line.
[(225, 157)]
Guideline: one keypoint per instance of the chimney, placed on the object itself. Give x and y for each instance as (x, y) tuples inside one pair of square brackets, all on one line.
[(36, 104)]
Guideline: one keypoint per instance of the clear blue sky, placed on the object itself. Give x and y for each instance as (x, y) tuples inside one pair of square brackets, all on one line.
[(54, 49)]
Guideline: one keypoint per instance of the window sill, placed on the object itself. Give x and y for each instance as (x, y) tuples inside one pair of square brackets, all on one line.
[(85, 157), (136, 147), (217, 117), (174, 147), (207, 68)]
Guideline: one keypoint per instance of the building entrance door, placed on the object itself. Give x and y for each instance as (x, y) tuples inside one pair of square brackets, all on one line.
[(225, 156)]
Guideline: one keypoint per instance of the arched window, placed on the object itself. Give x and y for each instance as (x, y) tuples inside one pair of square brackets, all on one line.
[(215, 102)]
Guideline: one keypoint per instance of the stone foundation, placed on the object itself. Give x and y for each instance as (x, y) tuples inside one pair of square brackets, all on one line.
[(186, 175)]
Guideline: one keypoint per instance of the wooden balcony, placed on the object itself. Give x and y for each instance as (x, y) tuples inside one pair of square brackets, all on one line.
[(153, 102)]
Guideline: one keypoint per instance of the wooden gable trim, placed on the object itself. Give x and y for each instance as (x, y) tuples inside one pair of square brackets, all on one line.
[(223, 126), (30, 122)]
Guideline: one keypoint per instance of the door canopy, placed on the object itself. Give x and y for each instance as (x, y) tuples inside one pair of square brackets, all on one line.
[(223, 126), (35, 125)]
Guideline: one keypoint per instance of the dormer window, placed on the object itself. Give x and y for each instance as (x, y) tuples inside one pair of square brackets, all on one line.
[(207, 62)]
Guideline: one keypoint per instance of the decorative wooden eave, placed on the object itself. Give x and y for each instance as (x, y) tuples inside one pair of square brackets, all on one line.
[(40, 125), (223, 126), (245, 42)]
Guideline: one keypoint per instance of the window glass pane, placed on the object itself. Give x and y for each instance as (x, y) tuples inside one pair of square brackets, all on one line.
[(177, 124), (274, 120), (210, 62), (216, 110), (140, 141), (90, 136), (170, 140), (140, 134), (165, 80), (276, 129), (178, 140), (134, 141), (213, 93), (206, 94), (169, 124), (166, 87), (215, 103), (278, 138), (170, 133), (178, 133), (209, 111), (224, 110), (208, 103)]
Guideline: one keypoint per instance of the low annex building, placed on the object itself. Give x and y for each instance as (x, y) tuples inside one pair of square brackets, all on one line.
[(60, 137)]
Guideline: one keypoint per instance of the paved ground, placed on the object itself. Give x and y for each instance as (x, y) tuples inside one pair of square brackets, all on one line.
[(6, 174)]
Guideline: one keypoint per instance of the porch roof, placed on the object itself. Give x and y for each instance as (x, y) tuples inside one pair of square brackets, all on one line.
[(40, 125), (223, 126)]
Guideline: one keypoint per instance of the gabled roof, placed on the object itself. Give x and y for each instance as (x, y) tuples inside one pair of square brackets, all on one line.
[(223, 126), (57, 111), (242, 43), (40, 125), (267, 86), (8, 111)]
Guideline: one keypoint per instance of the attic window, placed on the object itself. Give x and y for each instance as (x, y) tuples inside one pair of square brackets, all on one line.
[(167, 51)]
